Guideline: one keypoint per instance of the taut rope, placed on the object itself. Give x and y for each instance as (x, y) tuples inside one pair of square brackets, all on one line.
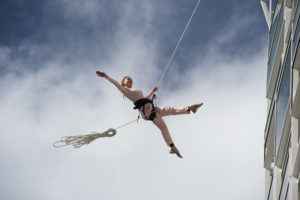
[(178, 43)]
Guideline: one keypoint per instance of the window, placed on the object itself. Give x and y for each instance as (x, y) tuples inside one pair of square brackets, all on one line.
[(283, 99), (296, 27), (299, 188), (299, 134), (285, 182), (271, 190), (269, 146), (274, 3), (296, 37), (272, 30), (273, 44), (295, 3), (287, 193)]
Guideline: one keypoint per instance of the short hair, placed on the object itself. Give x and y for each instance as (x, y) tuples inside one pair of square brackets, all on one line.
[(122, 82)]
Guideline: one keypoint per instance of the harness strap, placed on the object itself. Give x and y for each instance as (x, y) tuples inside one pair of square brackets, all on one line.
[(141, 103)]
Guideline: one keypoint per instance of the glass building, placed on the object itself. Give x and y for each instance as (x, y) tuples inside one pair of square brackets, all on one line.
[(282, 130)]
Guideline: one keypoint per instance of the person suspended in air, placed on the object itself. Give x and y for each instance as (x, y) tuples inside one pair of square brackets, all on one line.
[(147, 110)]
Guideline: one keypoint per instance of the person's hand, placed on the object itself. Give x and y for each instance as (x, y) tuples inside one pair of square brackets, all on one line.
[(175, 150), (101, 74), (155, 89)]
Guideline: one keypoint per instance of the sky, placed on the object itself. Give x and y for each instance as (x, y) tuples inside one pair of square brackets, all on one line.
[(49, 52)]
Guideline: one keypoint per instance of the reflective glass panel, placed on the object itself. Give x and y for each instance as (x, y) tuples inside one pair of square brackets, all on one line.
[(282, 100), (274, 45), (272, 30), (274, 2), (287, 194), (285, 183), (271, 191), (296, 34), (296, 13)]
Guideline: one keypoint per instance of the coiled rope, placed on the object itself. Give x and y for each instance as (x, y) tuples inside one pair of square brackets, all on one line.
[(80, 140)]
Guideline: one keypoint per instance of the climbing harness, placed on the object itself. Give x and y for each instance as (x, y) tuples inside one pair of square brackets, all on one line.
[(80, 140), (141, 103)]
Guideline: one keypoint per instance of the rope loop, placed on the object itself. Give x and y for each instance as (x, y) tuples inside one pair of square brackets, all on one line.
[(80, 140)]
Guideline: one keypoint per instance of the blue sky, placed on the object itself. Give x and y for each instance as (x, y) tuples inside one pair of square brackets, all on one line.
[(49, 52), (77, 29)]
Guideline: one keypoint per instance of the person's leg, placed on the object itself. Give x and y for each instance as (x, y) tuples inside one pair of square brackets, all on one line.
[(165, 111), (159, 122)]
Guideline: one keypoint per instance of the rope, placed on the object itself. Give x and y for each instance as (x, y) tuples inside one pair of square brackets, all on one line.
[(80, 140), (178, 43), (128, 123)]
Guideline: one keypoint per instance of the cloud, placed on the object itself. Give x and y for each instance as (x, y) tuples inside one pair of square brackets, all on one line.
[(221, 144)]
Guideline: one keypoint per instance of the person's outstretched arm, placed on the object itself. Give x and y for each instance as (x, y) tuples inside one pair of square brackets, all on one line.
[(148, 96), (118, 85)]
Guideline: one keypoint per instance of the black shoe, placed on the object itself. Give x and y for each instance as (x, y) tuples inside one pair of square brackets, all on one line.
[(194, 107)]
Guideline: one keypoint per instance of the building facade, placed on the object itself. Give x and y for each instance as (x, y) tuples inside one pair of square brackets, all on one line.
[(282, 130)]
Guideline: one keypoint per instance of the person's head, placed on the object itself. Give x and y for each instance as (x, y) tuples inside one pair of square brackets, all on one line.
[(127, 82)]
